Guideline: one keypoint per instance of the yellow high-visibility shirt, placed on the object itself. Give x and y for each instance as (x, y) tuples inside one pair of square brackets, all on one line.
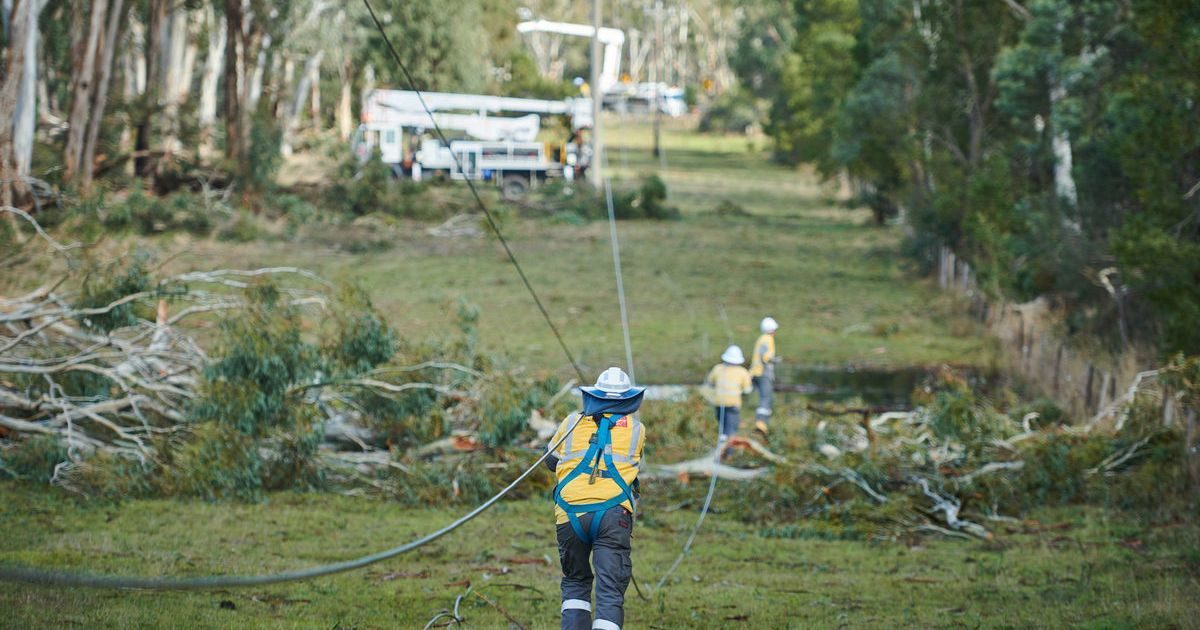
[(729, 382), (764, 353), (628, 437)]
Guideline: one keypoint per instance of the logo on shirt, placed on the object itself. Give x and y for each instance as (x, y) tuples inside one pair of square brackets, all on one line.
[(623, 422)]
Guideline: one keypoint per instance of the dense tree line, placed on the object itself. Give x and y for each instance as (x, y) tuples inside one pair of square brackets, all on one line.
[(1055, 143), (171, 92)]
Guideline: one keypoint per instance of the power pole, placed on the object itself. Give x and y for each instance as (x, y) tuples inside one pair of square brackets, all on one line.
[(658, 73), (597, 100)]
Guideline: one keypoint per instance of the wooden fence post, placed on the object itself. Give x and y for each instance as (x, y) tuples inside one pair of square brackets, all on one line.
[(1191, 450)]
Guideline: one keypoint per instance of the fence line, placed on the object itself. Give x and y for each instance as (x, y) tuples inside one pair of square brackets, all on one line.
[(1081, 383)]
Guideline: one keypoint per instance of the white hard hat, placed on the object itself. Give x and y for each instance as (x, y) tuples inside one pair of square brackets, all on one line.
[(733, 354), (613, 383), (769, 325)]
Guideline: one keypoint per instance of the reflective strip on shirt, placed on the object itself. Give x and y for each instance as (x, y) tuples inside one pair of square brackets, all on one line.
[(633, 441)]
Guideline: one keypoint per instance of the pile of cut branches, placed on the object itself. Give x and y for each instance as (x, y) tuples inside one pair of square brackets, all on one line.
[(227, 382), (957, 465)]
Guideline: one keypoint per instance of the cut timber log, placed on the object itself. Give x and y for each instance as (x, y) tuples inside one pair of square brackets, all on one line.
[(704, 465)]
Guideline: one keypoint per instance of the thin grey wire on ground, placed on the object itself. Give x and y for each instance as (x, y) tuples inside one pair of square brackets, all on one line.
[(69, 578), (712, 486)]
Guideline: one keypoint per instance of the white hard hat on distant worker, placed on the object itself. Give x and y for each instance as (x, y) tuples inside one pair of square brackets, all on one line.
[(733, 354), (769, 325)]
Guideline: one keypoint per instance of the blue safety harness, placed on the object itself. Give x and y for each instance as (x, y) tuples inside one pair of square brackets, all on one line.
[(599, 447)]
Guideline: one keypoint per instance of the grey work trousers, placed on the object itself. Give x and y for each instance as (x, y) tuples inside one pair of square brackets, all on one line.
[(609, 556), (728, 420), (765, 385)]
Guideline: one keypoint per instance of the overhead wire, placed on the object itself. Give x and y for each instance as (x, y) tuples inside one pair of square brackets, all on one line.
[(616, 252), (412, 84), (712, 484), (78, 579), (68, 578)]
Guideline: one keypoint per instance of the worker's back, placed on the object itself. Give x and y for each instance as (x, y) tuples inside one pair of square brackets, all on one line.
[(729, 382), (628, 435)]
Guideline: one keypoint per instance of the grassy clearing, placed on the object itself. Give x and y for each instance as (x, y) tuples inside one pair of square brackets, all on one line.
[(1077, 566), (835, 282)]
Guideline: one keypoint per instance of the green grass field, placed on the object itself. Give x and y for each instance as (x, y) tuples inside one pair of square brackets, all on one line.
[(843, 296), (835, 282), (1073, 567)]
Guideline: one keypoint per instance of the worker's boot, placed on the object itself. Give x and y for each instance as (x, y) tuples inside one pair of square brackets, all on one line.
[(760, 427)]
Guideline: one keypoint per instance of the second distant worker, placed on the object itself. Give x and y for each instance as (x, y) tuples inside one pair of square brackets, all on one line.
[(762, 371)]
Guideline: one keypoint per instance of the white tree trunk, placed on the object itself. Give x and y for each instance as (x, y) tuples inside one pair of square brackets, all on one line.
[(81, 92), (311, 68), (314, 86), (190, 50), (260, 66), (25, 113), (1060, 145), (174, 51), (210, 80), (345, 114)]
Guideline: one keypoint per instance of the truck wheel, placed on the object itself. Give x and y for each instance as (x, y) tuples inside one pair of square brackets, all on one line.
[(514, 187)]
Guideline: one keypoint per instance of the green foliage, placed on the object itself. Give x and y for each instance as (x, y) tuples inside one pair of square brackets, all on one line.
[(258, 167), (961, 113), (506, 406), (217, 462), (649, 201), (525, 81), (242, 229), (109, 285), (34, 459), (445, 33), (361, 340), (735, 111), (263, 359), (366, 188), (148, 214)]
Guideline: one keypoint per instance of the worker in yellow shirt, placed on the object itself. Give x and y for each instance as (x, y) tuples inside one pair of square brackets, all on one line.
[(597, 467), (729, 380), (762, 371)]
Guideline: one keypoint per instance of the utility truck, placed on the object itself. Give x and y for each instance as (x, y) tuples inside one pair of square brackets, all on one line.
[(495, 138)]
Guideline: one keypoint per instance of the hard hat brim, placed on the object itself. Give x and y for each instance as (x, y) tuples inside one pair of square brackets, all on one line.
[(600, 393)]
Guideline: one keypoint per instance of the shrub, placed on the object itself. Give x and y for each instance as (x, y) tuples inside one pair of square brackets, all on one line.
[(262, 358), (735, 111), (242, 229), (217, 462), (109, 285), (34, 459), (361, 340)]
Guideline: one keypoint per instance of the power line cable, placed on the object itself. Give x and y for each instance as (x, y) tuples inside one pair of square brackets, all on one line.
[(69, 578), (712, 484), (616, 250), (412, 84)]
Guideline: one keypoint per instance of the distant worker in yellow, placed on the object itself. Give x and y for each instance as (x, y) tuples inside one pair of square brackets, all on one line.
[(597, 467), (762, 371), (729, 380)]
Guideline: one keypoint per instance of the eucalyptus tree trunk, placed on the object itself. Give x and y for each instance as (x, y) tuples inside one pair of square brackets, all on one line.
[(314, 86), (116, 18), (345, 111), (176, 75), (84, 71), (25, 110), (10, 81), (307, 79), (153, 61), (210, 79)]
